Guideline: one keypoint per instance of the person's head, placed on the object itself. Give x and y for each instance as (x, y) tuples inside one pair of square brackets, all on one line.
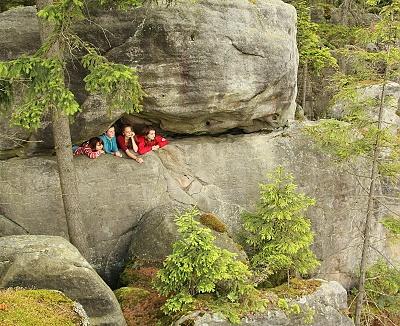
[(149, 132), (95, 143), (110, 132), (127, 131)]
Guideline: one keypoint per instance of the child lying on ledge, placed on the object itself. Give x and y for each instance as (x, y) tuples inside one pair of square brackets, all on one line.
[(150, 141), (92, 148)]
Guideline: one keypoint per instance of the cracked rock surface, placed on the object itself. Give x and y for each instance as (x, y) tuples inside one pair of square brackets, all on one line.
[(125, 204), (49, 262)]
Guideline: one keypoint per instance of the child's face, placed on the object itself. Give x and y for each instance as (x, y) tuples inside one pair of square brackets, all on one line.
[(110, 132), (99, 146), (128, 132), (151, 135)]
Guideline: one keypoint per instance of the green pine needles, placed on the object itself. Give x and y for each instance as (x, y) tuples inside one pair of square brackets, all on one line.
[(40, 79), (278, 233), (197, 266)]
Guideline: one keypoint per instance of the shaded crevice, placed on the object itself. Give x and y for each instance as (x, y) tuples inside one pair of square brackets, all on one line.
[(15, 223)]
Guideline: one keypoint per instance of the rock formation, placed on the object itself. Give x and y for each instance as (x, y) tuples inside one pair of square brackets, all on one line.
[(218, 174), (207, 67), (325, 306), (45, 262)]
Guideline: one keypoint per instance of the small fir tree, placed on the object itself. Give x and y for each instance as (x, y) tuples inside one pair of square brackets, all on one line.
[(278, 232), (197, 265)]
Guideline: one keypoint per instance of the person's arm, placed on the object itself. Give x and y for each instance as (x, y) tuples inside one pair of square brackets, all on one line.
[(133, 156), (134, 145), (91, 153), (106, 144), (121, 143), (142, 147), (114, 148), (161, 141)]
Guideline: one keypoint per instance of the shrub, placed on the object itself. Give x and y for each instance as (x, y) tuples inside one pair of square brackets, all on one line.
[(197, 266), (278, 233)]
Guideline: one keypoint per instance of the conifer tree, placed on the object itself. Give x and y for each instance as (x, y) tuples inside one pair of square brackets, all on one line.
[(313, 55), (40, 84), (278, 233), (197, 265), (361, 132)]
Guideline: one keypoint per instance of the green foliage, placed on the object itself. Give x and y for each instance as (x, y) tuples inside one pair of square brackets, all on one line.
[(278, 233), (41, 78), (382, 292), (392, 224), (197, 266), (337, 36), (311, 49), (43, 88), (119, 83)]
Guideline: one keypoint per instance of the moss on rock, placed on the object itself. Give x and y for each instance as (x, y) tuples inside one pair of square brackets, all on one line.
[(22, 307), (130, 296), (213, 222), (297, 288)]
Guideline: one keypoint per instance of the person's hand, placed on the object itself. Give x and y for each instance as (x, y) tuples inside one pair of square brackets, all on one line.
[(118, 154), (101, 151), (155, 147), (139, 160)]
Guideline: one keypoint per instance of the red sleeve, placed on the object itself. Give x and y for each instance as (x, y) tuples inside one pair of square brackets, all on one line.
[(90, 153), (142, 147), (161, 141), (121, 143)]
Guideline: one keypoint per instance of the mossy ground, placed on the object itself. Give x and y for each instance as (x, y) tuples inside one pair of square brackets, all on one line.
[(21, 307), (296, 288)]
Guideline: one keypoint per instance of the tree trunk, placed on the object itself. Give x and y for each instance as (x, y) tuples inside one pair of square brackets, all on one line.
[(63, 147), (368, 221), (304, 99)]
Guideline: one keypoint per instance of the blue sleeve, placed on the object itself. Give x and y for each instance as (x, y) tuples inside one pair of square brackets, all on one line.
[(106, 144), (114, 145)]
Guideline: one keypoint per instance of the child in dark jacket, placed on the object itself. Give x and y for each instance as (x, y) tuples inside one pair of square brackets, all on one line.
[(127, 143), (92, 148), (150, 141)]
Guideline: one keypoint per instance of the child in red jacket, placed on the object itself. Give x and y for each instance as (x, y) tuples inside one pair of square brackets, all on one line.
[(150, 141), (92, 148)]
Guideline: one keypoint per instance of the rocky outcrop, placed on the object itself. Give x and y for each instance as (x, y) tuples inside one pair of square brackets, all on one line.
[(45, 262), (207, 67), (218, 174), (322, 308)]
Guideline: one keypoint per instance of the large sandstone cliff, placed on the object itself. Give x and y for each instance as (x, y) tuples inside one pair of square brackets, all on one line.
[(207, 67)]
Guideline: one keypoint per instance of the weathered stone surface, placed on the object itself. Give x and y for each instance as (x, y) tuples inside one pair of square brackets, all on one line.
[(325, 304), (224, 65), (218, 174), (153, 237), (207, 67), (47, 262)]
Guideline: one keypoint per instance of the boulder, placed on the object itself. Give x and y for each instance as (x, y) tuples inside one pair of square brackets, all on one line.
[(218, 174), (325, 306), (48, 262), (207, 67), (153, 237)]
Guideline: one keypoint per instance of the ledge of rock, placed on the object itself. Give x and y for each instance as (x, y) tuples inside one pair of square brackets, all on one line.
[(121, 198), (48, 262), (325, 305)]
